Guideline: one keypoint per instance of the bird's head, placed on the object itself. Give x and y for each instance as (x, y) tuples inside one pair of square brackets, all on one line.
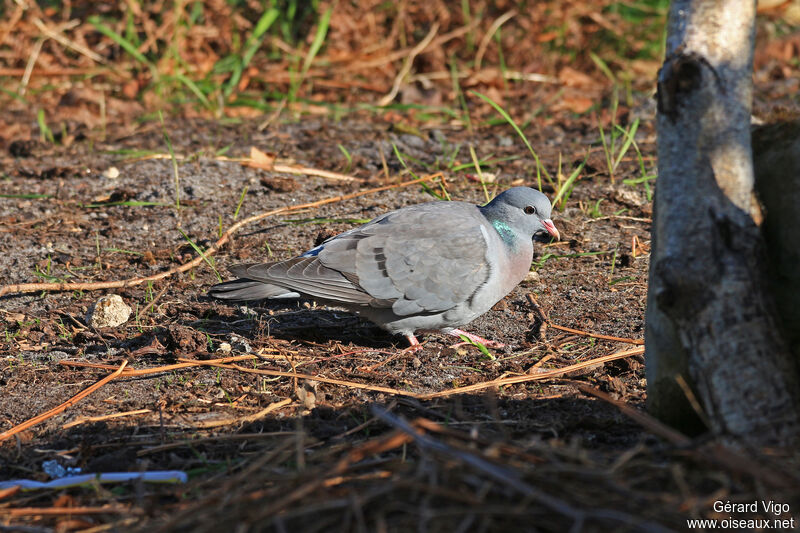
[(524, 211)]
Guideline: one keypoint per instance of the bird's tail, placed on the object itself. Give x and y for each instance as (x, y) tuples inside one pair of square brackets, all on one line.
[(248, 289)]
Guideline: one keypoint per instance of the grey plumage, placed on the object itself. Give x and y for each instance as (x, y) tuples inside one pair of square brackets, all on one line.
[(437, 265)]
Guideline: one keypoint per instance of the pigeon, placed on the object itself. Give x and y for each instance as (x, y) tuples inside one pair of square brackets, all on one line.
[(431, 266)]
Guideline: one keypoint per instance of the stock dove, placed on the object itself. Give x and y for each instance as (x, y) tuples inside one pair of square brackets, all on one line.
[(432, 266)]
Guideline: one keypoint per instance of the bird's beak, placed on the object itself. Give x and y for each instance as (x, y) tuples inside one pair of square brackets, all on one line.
[(551, 228)]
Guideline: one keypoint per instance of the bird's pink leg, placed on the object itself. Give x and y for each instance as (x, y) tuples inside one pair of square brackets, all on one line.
[(471, 336), (414, 344)]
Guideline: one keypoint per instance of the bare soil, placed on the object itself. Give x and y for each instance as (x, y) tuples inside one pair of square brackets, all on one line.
[(325, 460)]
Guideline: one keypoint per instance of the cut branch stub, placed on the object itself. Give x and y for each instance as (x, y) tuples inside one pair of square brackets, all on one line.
[(679, 75)]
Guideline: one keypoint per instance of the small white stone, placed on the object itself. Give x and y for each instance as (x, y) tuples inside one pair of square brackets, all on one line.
[(111, 173), (108, 312), (532, 277), (224, 347)]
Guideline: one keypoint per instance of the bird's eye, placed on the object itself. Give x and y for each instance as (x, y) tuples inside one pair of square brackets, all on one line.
[(529, 210)]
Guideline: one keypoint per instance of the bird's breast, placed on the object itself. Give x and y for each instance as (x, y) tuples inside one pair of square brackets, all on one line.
[(515, 265), (508, 266)]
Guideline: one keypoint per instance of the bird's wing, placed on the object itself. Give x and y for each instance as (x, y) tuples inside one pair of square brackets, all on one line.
[(306, 275), (424, 258)]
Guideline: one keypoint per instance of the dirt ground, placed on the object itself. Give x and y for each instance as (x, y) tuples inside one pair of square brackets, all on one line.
[(60, 237), (195, 419), (378, 439)]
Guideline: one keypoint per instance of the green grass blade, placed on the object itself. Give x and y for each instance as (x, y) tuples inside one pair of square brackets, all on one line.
[(14, 95), (402, 160), (478, 345), (539, 168), (603, 66), (254, 41), (629, 134), (347, 156), (566, 188), (224, 150), (316, 45), (319, 39), (192, 86), (479, 171), (251, 46), (201, 254), (126, 45), (425, 186), (131, 153), (239, 205), (45, 133)]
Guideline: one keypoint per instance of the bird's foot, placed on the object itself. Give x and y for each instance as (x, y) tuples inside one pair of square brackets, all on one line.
[(475, 338), (414, 344)]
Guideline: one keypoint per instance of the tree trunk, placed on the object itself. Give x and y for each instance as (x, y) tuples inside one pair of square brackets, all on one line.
[(710, 317)]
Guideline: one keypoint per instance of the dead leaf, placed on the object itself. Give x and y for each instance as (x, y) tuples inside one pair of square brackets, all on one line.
[(486, 76), (14, 317), (279, 184), (573, 78), (547, 36), (130, 89), (576, 104), (261, 159), (495, 95), (243, 112)]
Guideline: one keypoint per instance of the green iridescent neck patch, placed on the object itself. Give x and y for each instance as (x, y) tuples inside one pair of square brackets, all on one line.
[(506, 233)]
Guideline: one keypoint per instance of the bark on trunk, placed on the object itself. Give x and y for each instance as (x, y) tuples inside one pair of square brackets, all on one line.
[(710, 318)]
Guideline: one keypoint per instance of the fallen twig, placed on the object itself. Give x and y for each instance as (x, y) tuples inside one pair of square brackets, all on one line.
[(222, 363), (269, 164), (259, 159), (56, 35), (351, 384), (36, 287), (502, 19), (596, 335), (398, 80), (215, 438), (58, 511), (249, 418), (128, 372), (153, 301), (56, 410), (532, 377), (400, 54), (104, 417), (532, 300), (643, 419)]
